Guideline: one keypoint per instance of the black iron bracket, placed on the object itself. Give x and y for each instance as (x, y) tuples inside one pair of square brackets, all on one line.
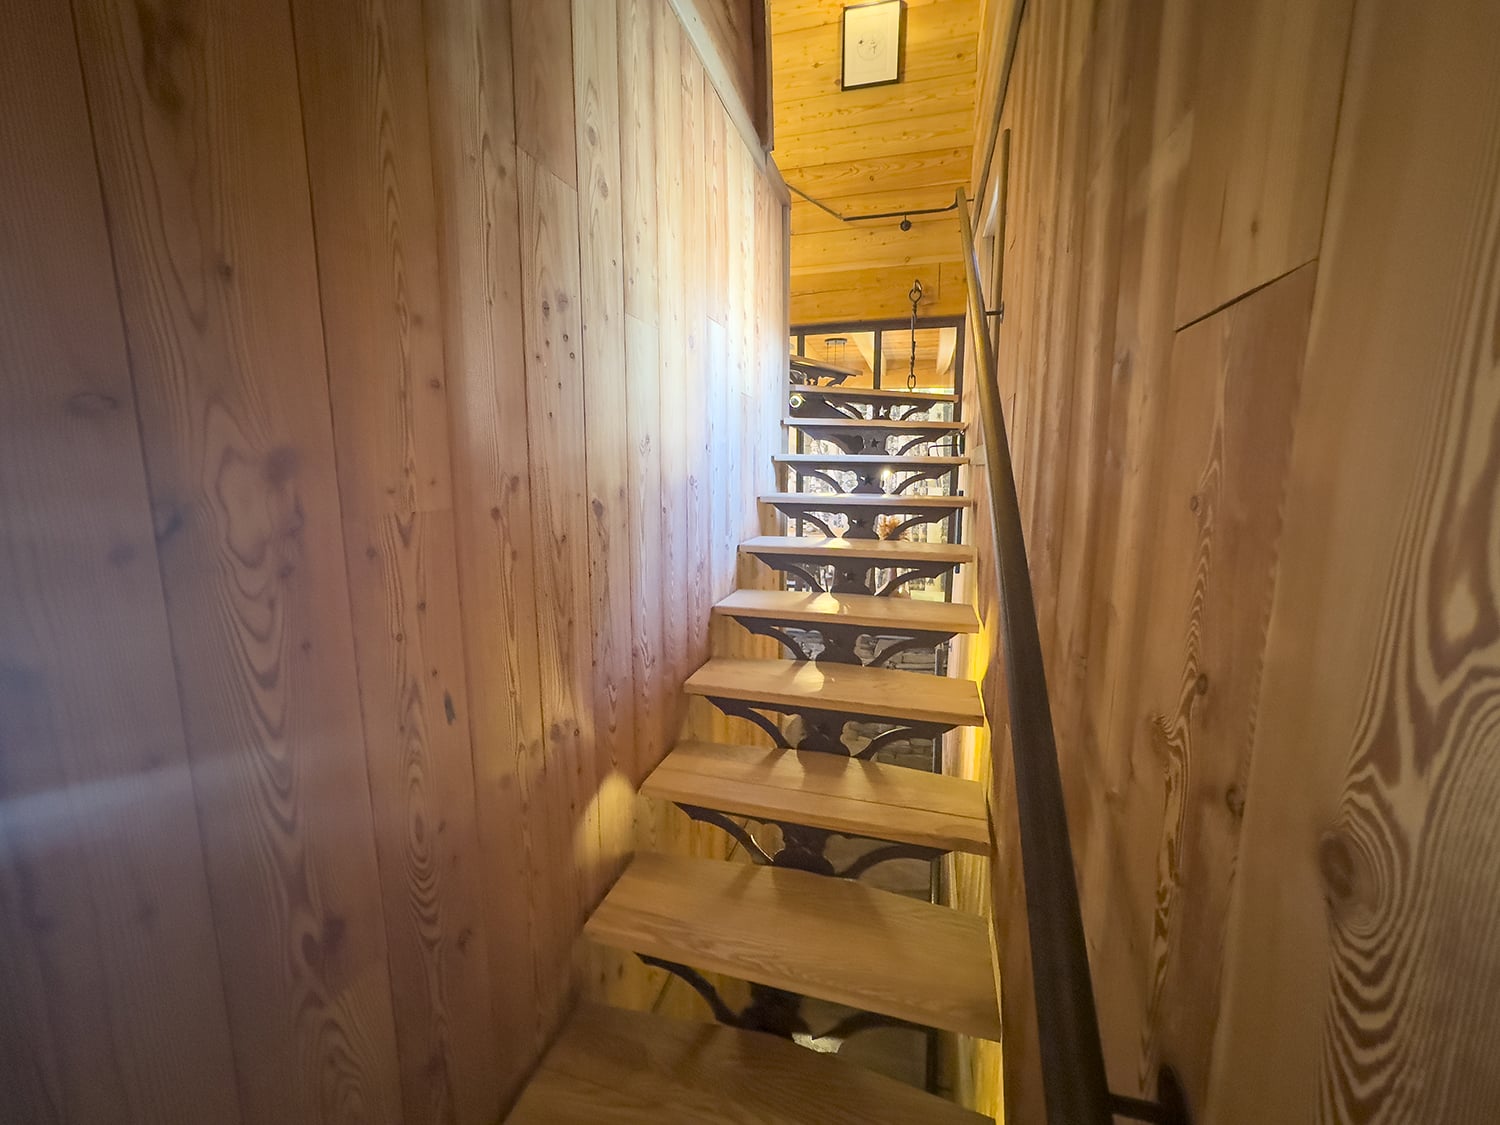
[(805, 848), (840, 641), (774, 1011), (851, 576), (823, 730)]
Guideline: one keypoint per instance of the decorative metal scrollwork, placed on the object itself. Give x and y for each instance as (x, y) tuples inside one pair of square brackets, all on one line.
[(823, 730), (804, 848)]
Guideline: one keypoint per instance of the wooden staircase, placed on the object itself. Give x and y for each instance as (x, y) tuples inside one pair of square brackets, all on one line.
[(792, 922)]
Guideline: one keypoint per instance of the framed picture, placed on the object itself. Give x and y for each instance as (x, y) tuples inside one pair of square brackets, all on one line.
[(873, 36)]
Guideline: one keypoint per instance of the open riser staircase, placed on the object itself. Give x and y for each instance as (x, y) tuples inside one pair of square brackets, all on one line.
[(798, 921)]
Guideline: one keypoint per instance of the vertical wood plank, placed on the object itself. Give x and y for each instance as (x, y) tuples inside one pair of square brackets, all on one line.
[(109, 975), (1234, 389), (1365, 963), (473, 138), (636, 28), (364, 76), (607, 426), (672, 354), (545, 113), (551, 328), (200, 147), (1265, 107)]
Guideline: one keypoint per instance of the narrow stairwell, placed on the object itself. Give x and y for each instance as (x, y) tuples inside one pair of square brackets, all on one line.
[(796, 922)]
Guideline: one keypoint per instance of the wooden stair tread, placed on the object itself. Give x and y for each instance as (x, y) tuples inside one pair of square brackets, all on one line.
[(914, 426), (898, 614), (876, 692), (893, 460), (885, 500), (833, 939), (845, 795), (871, 394), (884, 552), (613, 1067)]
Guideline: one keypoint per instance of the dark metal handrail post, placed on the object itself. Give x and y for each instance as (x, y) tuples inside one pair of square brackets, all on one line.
[(1073, 1077)]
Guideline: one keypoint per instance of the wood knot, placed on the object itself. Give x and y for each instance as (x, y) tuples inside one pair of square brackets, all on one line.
[(450, 712), (1234, 800), (1200, 685), (166, 521), (92, 404), (1339, 866), (1193, 504)]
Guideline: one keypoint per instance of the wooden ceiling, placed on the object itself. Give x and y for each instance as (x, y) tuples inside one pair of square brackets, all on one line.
[(873, 150)]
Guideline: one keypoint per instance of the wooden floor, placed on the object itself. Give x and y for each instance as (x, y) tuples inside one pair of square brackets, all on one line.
[(830, 938), (844, 795), (876, 692), (612, 1067)]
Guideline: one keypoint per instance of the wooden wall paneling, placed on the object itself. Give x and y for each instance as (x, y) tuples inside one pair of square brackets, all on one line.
[(672, 333), (545, 113), (475, 176), (109, 973), (697, 181), (607, 426), (207, 189), (937, 165), (827, 297), (1233, 388), (636, 27), (824, 142), (724, 35), (1118, 858), (552, 329), (637, 34), (370, 167), (1104, 546), (1362, 972), (853, 149), (883, 243), (1265, 109), (874, 105)]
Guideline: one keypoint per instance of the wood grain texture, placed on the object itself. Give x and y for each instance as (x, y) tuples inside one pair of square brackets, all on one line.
[(723, 34), (886, 552), (846, 147), (855, 609), (1265, 106), (827, 791), (207, 189), (370, 167), (879, 692), (110, 979), (868, 948), (1362, 971), (606, 426), (333, 478), (1234, 385), (552, 330), (475, 177), (627, 1067)]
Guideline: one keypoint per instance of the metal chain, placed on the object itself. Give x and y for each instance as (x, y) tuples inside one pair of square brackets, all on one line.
[(915, 297)]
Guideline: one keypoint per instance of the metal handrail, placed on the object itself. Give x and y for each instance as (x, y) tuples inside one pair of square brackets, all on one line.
[(1074, 1082)]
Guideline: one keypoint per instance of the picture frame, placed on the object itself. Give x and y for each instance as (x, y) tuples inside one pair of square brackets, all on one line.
[(874, 44)]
